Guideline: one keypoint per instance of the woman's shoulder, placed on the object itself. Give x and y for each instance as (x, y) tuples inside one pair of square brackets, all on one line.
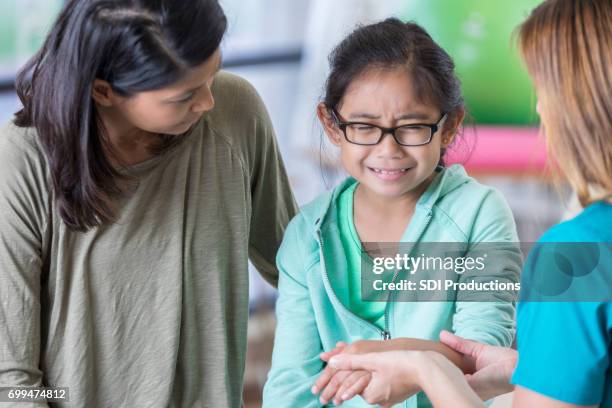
[(593, 224), (20, 151), (24, 185), (240, 119), (236, 99), (571, 260), (15, 139)]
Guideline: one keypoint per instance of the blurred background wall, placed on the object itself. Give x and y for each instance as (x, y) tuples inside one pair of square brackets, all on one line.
[(281, 46)]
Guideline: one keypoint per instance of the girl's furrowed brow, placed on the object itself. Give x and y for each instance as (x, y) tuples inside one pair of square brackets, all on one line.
[(405, 116)]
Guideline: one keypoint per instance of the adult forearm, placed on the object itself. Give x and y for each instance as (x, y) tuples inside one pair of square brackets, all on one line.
[(445, 385)]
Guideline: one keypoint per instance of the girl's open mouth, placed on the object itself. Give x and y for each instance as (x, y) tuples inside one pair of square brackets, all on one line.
[(389, 174)]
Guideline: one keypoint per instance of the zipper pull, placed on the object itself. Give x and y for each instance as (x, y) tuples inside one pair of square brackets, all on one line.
[(385, 335)]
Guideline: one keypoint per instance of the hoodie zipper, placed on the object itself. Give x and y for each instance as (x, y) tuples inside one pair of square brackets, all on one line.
[(385, 334), (390, 296)]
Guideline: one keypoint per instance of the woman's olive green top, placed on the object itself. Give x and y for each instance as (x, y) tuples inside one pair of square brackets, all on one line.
[(150, 311)]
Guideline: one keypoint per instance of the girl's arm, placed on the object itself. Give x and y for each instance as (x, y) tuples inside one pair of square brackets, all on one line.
[(489, 317), (402, 344), (295, 358), (429, 345)]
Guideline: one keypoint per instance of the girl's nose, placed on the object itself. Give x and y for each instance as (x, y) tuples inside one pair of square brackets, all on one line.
[(388, 147)]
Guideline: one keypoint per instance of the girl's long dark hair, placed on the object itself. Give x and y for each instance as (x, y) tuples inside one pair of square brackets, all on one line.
[(134, 45)]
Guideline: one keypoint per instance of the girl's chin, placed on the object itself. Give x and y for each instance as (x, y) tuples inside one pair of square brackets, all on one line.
[(388, 190), (392, 189)]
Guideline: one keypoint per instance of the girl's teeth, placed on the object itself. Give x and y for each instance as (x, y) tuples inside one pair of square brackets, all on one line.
[(389, 171)]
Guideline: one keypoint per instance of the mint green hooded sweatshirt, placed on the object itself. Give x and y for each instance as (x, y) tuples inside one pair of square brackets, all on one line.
[(311, 319)]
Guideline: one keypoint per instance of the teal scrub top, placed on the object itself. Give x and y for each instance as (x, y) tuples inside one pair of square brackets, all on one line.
[(564, 318)]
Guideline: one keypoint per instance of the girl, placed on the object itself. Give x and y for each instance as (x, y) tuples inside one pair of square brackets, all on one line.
[(564, 344), (392, 105), (129, 207)]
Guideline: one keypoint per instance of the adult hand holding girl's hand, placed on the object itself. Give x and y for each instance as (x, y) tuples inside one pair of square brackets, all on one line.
[(492, 366), (397, 375), (335, 383), (393, 375), (340, 384)]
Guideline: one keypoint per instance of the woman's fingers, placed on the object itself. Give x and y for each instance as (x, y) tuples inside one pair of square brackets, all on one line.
[(459, 344), (366, 362), (332, 386), (353, 385)]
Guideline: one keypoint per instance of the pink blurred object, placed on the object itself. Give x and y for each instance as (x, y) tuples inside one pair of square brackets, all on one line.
[(501, 150)]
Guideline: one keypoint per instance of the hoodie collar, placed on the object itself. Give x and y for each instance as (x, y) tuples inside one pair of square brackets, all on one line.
[(446, 180)]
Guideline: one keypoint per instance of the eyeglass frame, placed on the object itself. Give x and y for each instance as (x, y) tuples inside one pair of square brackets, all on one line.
[(385, 130)]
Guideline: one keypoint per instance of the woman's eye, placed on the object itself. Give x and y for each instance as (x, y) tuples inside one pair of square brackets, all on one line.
[(364, 128), (186, 99)]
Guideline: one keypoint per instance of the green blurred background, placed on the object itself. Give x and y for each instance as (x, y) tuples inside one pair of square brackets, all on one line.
[(479, 36)]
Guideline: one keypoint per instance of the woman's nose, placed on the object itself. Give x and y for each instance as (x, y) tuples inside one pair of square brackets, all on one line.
[(204, 101)]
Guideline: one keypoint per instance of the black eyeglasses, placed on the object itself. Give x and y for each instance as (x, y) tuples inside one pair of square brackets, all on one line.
[(367, 134)]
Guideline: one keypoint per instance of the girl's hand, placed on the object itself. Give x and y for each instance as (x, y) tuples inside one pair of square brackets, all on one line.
[(326, 355), (338, 383), (335, 384), (341, 385)]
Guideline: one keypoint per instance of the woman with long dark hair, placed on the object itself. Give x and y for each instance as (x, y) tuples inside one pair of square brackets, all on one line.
[(135, 183)]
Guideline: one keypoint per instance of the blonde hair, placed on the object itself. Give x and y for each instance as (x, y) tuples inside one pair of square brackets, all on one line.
[(567, 47)]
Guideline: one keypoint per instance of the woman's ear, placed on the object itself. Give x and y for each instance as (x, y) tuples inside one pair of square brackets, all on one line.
[(450, 128), (102, 93), (329, 125)]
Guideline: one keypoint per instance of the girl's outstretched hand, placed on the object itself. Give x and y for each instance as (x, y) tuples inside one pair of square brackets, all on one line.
[(326, 355), (334, 384), (342, 385)]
